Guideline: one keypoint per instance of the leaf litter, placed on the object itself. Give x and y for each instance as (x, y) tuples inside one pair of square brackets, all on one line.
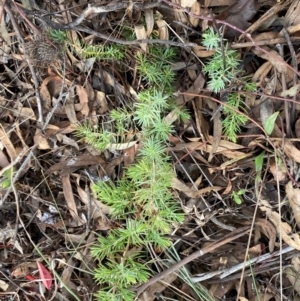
[(49, 215)]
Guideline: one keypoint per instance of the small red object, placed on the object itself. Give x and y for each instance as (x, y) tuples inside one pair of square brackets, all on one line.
[(45, 275)]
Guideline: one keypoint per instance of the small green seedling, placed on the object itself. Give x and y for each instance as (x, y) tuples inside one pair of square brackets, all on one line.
[(270, 123), (237, 196)]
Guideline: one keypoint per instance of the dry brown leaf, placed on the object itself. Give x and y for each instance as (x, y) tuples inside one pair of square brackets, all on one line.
[(297, 128), (7, 232), (42, 141), (273, 57), (283, 229), (278, 170), (84, 100), (292, 16), (151, 292), (50, 87), (268, 230), (64, 139), (72, 164), (141, 34), (261, 73), (292, 273), (5, 141), (218, 291), (266, 36), (291, 151), (3, 159), (67, 274), (4, 285), (225, 148), (177, 14), (202, 124), (293, 277), (129, 155), (25, 113), (67, 18), (101, 102), (70, 111), (16, 79), (149, 19), (291, 91), (121, 146), (238, 14), (4, 34), (22, 269), (108, 79), (69, 197), (201, 51), (217, 133), (193, 91), (162, 29), (274, 9), (293, 195), (98, 209), (195, 10), (177, 184)]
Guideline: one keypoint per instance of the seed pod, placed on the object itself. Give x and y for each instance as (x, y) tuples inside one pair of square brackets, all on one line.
[(42, 53)]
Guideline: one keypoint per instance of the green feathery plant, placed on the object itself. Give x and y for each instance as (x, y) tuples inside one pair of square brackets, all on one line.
[(98, 51), (222, 70), (141, 201), (155, 70)]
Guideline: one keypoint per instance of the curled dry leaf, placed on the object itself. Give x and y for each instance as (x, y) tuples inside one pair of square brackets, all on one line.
[(293, 195), (141, 34), (69, 197), (261, 73), (162, 29), (149, 19), (50, 87), (268, 230), (282, 229), (273, 57)]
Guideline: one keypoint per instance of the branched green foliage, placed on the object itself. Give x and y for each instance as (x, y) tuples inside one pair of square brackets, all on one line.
[(233, 119), (222, 70), (141, 201), (98, 51), (155, 68), (103, 52), (58, 36)]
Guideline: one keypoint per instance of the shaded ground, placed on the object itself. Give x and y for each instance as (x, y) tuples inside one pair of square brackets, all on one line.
[(48, 212)]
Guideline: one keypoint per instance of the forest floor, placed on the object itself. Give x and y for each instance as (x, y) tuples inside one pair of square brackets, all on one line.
[(238, 192)]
